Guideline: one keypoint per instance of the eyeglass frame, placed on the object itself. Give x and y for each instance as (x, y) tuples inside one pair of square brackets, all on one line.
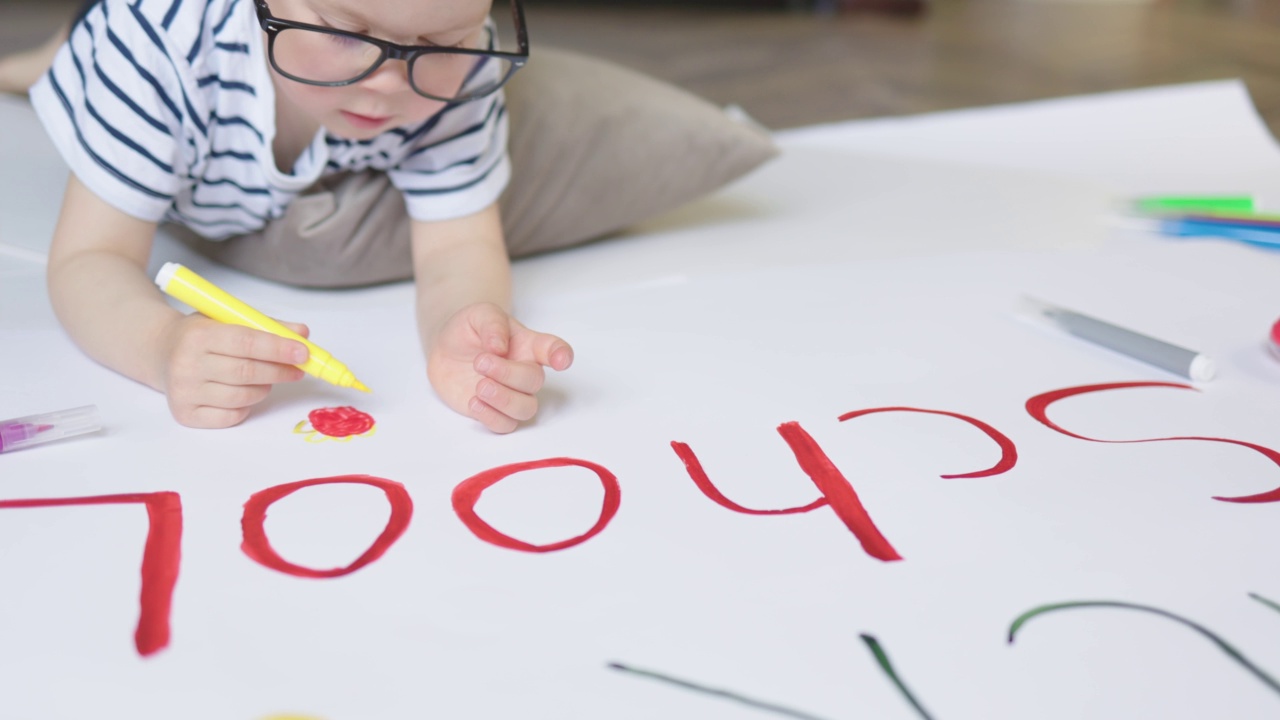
[(273, 26)]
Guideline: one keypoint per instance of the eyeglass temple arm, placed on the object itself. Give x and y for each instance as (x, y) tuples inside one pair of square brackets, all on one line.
[(522, 34)]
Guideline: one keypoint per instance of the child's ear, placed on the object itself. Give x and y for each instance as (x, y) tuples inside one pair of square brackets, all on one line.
[(596, 147)]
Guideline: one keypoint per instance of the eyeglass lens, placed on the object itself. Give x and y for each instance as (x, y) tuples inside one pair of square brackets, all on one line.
[(322, 57)]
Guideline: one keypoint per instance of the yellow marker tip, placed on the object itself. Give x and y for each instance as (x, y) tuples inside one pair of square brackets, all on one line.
[(361, 387)]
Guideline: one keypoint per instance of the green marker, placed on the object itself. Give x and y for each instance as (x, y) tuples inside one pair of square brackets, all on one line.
[(1195, 204)]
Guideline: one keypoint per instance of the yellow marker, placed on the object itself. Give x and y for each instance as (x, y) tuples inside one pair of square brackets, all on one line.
[(210, 300)]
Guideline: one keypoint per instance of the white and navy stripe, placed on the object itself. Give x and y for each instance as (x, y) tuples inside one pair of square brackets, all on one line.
[(165, 109)]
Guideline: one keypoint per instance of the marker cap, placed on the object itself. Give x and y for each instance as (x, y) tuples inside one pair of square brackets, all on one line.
[(1202, 369), (33, 430), (166, 273)]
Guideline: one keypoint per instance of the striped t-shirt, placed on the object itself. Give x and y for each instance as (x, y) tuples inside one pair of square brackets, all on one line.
[(165, 109)]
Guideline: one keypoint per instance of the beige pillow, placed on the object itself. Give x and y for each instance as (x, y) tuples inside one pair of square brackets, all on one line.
[(596, 147)]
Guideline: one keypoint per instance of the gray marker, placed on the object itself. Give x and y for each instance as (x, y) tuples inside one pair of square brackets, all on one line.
[(1166, 356)]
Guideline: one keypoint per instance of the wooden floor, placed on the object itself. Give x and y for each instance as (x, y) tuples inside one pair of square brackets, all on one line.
[(791, 68)]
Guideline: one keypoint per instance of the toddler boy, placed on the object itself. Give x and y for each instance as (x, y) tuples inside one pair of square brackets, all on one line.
[(218, 115)]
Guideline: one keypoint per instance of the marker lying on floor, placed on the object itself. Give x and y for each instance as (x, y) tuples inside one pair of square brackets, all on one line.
[(1195, 204), (33, 430), (214, 302), (1166, 356), (1229, 217), (1249, 235), (1255, 221)]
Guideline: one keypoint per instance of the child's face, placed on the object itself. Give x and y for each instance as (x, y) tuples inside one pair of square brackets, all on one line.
[(384, 99)]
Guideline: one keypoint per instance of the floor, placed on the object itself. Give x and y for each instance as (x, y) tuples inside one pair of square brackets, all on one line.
[(790, 67)]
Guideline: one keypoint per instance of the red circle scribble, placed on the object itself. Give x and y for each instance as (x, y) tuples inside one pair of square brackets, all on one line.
[(467, 494), (340, 421), (258, 547)]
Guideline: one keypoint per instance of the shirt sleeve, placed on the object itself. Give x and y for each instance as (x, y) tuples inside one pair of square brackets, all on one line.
[(459, 165), (114, 106)]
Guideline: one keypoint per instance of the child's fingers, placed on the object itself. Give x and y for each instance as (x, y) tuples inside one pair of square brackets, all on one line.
[(242, 342), (299, 328), (204, 416), (520, 376), (242, 371), (515, 405), (489, 417), (232, 397), (492, 326)]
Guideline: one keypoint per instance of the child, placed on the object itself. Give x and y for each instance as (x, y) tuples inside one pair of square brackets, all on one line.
[(219, 114)]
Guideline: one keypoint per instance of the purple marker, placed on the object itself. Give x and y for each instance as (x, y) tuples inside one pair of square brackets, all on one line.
[(34, 430)]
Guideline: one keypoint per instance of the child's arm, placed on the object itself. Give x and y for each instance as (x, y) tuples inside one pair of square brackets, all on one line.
[(481, 361), (212, 373)]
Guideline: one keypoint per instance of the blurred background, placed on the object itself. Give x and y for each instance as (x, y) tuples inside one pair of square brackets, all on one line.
[(799, 62)]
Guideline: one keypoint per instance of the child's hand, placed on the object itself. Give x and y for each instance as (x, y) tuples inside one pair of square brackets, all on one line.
[(215, 372), (487, 366)]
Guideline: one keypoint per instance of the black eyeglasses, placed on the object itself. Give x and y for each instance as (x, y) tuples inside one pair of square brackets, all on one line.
[(327, 57)]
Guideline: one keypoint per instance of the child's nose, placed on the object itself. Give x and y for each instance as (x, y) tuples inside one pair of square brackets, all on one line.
[(391, 77)]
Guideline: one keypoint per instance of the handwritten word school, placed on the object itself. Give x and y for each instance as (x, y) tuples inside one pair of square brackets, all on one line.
[(161, 555)]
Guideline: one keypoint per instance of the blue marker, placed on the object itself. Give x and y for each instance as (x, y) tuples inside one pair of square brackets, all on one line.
[(1249, 235)]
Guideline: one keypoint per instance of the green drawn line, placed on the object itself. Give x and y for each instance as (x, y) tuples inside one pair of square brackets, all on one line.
[(1269, 603), (723, 694), (1223, 645), (883, 659)]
